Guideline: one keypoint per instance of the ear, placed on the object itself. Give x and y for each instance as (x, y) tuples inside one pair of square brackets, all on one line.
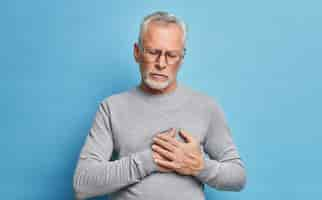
[(136, 52), (182, 60)]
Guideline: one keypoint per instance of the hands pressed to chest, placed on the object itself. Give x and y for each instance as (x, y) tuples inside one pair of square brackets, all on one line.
[(172, 155)]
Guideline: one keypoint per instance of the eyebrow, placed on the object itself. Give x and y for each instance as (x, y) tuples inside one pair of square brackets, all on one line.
[(163, 49)]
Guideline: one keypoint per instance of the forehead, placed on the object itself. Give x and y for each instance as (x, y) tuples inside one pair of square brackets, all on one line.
[(163, 35)]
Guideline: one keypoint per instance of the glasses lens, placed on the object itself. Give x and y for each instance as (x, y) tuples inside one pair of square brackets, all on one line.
[(173, 57), (152, 55)]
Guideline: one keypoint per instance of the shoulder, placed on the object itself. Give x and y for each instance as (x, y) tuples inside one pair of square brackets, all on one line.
[(117, 99), (210, 105), (204, 99)]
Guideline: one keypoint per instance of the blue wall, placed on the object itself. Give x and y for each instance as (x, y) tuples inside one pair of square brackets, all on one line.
[(260, 59)]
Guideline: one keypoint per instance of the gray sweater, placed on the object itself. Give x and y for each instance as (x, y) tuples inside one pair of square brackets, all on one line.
[(125, 124)]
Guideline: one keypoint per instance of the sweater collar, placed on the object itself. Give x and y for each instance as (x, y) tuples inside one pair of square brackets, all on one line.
[(165, 100)]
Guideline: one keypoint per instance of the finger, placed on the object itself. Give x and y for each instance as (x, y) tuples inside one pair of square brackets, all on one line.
[(156, 155), (173, 132), (192, 155), (159, 157), (166, 164), (169, 139), (164, 144), (166, 131), (163, 152), (188, 137)]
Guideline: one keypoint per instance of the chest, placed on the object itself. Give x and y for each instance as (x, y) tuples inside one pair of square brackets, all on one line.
[(133, 131)]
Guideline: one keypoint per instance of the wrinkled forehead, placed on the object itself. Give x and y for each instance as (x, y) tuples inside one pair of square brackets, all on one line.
[(163, 36)]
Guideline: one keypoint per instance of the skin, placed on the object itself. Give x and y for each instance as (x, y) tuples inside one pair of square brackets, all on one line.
[(169, 154), (160, 36)]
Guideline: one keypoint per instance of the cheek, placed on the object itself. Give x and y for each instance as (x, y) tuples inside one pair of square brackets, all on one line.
[(174, 70), (145, 68)]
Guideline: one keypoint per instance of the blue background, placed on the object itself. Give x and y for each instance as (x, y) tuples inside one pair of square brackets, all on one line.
[(261, 60)]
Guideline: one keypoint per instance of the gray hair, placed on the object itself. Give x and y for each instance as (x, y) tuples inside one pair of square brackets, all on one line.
[(164, 17)]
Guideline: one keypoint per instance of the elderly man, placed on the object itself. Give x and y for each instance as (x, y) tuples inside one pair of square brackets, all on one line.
[(169, 139)]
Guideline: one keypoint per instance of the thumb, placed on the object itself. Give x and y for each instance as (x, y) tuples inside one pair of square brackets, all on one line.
[(185, 135)]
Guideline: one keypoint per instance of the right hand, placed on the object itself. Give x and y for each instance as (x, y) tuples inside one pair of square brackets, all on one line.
[(156, 155)]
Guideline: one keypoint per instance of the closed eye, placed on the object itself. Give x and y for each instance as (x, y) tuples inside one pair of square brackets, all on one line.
[(153, 52), (172, 55)]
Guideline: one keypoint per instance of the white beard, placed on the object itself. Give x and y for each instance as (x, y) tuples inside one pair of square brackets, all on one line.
[(158, 85)]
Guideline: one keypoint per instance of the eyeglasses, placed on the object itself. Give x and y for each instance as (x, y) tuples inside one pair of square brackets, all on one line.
[(151, 55)]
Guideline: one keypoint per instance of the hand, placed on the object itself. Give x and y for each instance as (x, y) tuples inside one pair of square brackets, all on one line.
[(157, 156), (184, 158)]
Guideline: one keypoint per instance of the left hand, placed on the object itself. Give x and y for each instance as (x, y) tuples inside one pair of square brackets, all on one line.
[(184, 158)]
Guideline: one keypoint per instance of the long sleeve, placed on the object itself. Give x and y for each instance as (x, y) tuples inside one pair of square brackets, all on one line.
[(224, 169), (95, 174)]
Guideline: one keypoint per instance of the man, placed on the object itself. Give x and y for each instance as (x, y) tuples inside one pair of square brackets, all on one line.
[(170, 140)]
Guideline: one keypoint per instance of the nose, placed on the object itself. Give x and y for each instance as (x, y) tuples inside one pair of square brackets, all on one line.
[(161, 62)]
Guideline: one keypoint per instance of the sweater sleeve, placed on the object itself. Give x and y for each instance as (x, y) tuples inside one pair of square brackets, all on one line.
[(95, 173), (224, 169)]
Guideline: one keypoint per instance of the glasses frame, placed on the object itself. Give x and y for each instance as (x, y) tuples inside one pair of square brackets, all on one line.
[(165, 53)]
